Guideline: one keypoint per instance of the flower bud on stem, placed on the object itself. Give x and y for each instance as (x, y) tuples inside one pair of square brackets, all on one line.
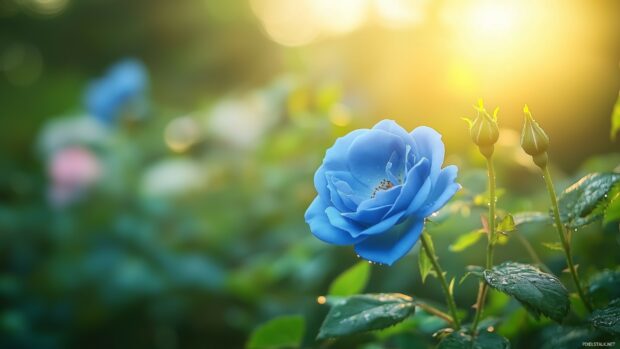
[(535, 142), (485, 133), (483, 129)]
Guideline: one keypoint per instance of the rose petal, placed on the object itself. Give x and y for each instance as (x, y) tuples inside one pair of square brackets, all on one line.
[(392, 127), (382, 198), (336, 157), (443, 190), (389, 247), (430, 146), (414, 180), (339, 221), (335, 160), (382, 226), (321, 227), (368, 217), (369, 154)]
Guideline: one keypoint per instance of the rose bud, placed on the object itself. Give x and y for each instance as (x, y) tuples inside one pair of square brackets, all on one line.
[(534, 140), (484, 130)]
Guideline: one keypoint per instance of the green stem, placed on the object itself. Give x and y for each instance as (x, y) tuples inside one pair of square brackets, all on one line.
[(565, 243), (432, 310), (492, 203), (442, 280), (482, 288)]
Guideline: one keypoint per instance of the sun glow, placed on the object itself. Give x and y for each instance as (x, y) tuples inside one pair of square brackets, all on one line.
[(493, 18), (486, 21), (298, 23)]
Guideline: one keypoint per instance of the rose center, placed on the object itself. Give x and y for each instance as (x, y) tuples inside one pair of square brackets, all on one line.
[(383, 185)]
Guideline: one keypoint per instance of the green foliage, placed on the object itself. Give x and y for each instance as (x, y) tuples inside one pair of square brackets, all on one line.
[(420, 321), (615, 119), (351, 281), (564, 337), (466, 240), (580, 204), (608, 318), (426, 267), (507, 224), (604, 286), (484, 340), (281, 332), (612, 213), (365, 312), (539, 292)]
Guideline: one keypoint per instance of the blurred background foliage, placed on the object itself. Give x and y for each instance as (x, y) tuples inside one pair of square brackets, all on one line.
[(174, 218)]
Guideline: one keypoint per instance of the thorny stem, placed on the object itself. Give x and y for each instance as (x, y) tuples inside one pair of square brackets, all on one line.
[(482, 287), (442, 280), (563, 237), (432, 310)]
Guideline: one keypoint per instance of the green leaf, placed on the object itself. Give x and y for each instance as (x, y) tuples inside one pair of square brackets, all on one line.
[(539, 292), (426, 267), (351, 281), (612, 213), (580, 203), (484, 340), (608, 318), (507, 224), (366, 312), (281, 332), (421, 322), (565, 337), (531, 217), (604, 286), (466, 240), (555, 246)]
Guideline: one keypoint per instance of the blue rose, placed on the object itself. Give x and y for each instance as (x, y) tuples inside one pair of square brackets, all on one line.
[(121, 90), (376, 187)]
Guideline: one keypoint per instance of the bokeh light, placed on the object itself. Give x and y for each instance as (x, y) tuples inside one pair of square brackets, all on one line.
[(289, 23), (44, 7), (181, 133), (401, 13), (339, 17)]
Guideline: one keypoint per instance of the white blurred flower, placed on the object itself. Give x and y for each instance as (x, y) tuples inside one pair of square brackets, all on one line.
[(242, 122), (70, 131), (173, 177)]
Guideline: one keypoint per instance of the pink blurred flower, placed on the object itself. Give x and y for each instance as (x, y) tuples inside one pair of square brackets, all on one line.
[(72, 171)]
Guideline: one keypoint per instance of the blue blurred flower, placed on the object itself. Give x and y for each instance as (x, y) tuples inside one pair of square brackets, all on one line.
[(122, 90), (376, 187)]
